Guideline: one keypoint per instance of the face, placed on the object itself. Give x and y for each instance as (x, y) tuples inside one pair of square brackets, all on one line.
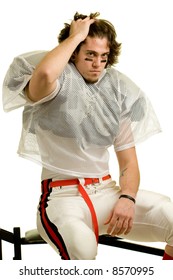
[(92, 58)]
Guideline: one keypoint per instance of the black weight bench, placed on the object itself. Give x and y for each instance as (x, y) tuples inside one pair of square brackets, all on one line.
[(32, 237)]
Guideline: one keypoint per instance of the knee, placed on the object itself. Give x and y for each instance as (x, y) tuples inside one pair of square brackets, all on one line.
[(87, 250), (81, 244), (166, 209)]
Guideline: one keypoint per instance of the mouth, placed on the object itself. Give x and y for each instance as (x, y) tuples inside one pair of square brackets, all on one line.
[(94, 71)]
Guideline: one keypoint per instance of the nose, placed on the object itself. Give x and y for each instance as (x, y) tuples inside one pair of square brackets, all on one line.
[(96, 62)]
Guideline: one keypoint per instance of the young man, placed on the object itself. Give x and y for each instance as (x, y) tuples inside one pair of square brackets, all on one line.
[(76, 105)]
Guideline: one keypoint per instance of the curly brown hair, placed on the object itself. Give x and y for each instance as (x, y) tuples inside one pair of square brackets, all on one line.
[(100, 28)]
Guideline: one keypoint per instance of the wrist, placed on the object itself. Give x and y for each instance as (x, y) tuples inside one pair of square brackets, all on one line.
[(127, 196), (76, 37)]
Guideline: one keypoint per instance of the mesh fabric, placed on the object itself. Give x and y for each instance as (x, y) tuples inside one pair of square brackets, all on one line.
[(69, 132)]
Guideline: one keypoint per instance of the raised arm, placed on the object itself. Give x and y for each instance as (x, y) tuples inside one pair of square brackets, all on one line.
[(43, 81)]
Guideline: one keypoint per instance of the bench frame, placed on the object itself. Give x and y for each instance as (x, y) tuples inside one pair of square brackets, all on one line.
[(17, 241)]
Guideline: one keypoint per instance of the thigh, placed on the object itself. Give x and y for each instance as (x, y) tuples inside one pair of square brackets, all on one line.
[(153, 219), (104, 202), (69, 221)]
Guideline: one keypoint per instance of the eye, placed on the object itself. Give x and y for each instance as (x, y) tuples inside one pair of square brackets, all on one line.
[(90, 54), (104, 57)]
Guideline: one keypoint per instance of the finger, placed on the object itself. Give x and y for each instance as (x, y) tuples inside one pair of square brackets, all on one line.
[(113, 227), (108, 220), (110, 228), (117, 227), (123, 228), (90, 20), (130, 225)]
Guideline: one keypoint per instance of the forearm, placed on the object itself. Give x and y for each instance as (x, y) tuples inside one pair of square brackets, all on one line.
[(129, 179), (129, 172), (44, 78), (122, 216), (55, 61)]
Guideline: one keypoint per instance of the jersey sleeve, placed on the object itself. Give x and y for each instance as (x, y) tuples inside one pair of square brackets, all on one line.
[(17, 77), (138, 120)]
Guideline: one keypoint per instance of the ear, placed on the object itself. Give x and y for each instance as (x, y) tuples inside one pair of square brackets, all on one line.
[(73, 57)]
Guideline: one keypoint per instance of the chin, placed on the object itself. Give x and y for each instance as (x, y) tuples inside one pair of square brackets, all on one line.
[(91, 81)]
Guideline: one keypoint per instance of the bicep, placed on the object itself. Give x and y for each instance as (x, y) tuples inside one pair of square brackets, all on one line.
[(38, 89)]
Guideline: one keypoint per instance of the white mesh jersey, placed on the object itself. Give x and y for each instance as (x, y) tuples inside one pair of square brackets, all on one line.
[(69, 132)]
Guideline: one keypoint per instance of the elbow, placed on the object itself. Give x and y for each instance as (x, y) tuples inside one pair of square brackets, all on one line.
[(40, 85), (44, 76)]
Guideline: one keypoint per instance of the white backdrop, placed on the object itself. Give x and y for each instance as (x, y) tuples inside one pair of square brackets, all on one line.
[(145, 29)]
